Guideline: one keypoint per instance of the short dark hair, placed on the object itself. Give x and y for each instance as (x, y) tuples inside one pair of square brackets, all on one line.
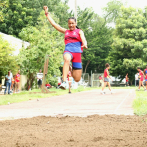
[(107, 65), (138, 67)]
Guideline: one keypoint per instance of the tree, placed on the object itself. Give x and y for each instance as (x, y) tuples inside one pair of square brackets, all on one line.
[(98, 37), (3, 5), (129, 43), (111, 11), (8, 60), (44, 40), (23, 13)]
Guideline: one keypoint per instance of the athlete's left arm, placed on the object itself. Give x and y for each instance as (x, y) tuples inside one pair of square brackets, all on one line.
[(83, 39), (109, 75), (143, 74)]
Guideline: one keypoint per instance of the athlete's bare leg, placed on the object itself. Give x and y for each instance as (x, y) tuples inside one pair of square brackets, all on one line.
[(76, 74), (142, 84), (109, 86), (139, 84), (104, 85), (67, 59)]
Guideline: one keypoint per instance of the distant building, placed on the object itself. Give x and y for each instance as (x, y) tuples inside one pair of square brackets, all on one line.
[(15, 42)]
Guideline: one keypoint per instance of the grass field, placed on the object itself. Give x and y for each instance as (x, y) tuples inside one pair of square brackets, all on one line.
[(29, 95), (140, 103)]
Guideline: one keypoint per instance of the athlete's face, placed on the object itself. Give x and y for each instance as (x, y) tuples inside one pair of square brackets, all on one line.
[(138, 70), (72, 24)]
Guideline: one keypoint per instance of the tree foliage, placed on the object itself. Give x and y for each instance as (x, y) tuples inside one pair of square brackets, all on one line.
[(44, 40), (129, 48), (98, 37), (112, 10), (7, 59), (21, 13)]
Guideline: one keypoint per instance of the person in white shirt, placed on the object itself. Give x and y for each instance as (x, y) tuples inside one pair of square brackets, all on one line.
[(39, 78), (136, 79)]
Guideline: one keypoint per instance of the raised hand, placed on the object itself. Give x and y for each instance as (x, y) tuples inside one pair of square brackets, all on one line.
[(45, 9)]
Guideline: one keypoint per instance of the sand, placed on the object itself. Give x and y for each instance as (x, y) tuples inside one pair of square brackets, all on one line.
[(92, 131)]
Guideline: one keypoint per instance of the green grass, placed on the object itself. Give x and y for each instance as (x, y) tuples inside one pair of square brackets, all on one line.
[(140, 103), (26, 96)]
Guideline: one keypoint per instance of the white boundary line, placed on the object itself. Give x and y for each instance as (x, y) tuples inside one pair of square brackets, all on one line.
[(122, 102)]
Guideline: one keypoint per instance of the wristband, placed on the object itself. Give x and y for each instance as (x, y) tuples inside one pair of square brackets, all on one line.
[(46, 13)]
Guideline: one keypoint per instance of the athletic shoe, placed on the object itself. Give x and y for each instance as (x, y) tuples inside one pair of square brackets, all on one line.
[(138, 89), (69, 92), (102, 92), (63, 86), (112, 92)]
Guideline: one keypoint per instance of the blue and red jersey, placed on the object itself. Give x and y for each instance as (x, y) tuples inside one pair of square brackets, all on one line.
[(145, 71), (73, 41)]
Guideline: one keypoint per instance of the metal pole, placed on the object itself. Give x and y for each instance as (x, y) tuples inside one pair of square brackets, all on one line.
[(76, 9)]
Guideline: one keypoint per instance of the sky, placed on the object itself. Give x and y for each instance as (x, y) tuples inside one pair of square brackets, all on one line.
[(97, 5)]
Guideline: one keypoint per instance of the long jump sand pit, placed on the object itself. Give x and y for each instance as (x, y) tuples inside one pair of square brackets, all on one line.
[(71, 125), (92, 131)]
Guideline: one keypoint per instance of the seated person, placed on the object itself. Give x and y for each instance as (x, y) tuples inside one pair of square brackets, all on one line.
[(48, 86)]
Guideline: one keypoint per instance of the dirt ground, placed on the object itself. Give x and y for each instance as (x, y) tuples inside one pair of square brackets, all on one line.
[(93, 131)]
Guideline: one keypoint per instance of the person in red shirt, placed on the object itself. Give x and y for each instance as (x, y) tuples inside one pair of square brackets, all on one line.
[(75, 41), (48, 86), (101, 80), (106, 79), (127, 80), (17, 80), (141, 76), (145, 72)]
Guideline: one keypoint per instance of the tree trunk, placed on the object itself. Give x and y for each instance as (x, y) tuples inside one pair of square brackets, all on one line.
[(87, 65)]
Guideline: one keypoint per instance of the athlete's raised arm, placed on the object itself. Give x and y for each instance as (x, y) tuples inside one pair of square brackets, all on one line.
[(83, 39), (56, 26)]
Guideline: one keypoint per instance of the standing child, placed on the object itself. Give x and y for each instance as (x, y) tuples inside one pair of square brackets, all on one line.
[(101, 80), (127, 80), (106, 78), (141, 76)]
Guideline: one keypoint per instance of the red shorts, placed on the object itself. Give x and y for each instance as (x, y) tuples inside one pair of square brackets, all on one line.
[(76, 59)]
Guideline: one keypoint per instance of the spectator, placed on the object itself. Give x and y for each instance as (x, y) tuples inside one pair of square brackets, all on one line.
[(127, 80), (14, 83), (39, 78), (137, 79), (11, 81), (101, 80), (17, 80), (8, 82), (48, 86)]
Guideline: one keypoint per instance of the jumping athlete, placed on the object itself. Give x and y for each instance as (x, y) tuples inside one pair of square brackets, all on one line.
[(145, 72), (106, 79), (75, 41), (141, 77)]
